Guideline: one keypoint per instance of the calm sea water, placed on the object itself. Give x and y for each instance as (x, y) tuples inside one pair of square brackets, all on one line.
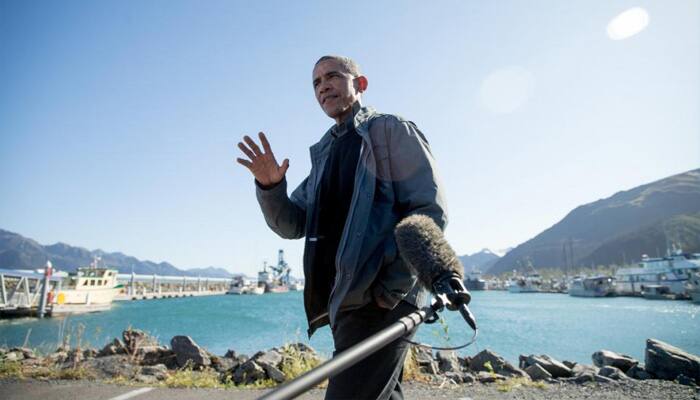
[(510, 324)]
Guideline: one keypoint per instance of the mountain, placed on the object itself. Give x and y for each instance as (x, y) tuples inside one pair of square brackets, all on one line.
[(211, 272), (482, 260), (618, 229), (18, 252)]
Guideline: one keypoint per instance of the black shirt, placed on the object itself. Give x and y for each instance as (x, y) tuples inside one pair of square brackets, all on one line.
[(336, 188)]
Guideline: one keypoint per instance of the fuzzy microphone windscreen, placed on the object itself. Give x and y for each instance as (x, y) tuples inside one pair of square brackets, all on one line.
[(423, 247)]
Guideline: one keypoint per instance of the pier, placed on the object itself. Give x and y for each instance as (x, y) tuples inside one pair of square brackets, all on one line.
[(146, 287), (32, 293)]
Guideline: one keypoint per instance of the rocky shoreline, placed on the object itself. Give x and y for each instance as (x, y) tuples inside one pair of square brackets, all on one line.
[(138, 358)]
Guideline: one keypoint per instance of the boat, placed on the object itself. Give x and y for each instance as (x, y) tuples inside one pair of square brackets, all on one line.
[(241, 285), (298, 285), (657, 292), (594, 286), (473, 281), (693, 287), (89, 289), (237, 286), (531, 282), (672, 271), (276, 280)]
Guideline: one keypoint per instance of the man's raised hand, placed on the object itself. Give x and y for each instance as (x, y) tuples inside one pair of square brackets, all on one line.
[(262, 164)]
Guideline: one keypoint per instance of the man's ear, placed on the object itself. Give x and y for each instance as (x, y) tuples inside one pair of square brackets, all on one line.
[(361, 83)]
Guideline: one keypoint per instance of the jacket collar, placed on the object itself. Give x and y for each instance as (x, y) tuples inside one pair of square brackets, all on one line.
[(360, 122)]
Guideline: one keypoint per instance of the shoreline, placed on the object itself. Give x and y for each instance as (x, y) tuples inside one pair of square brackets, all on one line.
[(137, 359)]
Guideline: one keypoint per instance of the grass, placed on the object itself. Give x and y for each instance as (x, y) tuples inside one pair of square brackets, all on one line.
[(11, 369), (187, 378), (14, 369), (510, 384)]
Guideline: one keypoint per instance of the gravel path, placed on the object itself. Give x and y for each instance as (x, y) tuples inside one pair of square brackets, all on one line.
[(632, 390)]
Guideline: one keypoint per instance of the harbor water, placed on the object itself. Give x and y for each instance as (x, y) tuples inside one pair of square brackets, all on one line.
[(564, 327)]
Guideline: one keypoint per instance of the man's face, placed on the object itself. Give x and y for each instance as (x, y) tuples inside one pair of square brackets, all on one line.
[(336, 90)]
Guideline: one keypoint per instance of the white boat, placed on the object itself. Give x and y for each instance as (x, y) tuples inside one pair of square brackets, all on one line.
[(658, 292), (237, 286), (595, 286), (693, 287), (298, 285), (240, 285), (672, 271), (89, 289), (473, 281), (528, 283)]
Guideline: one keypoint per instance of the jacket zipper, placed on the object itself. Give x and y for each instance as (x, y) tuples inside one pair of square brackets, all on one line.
[(343, 239)]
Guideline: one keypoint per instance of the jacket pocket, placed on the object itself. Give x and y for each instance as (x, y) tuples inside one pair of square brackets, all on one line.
[(394, 280)]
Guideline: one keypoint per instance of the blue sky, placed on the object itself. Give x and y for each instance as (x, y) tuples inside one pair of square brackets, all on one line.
[(119, 119)]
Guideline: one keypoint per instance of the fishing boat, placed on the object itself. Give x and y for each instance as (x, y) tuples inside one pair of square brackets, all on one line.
[(594, 286), (657, 292), (526, 284), (531, 282), (89, 289), (693, 287), (672, 271), (241, 285), (473, 281)]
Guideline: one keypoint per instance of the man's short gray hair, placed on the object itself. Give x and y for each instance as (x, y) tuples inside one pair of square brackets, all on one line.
[(347, 63)]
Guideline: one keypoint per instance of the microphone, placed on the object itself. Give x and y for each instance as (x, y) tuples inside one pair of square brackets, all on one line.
[(423, 247)]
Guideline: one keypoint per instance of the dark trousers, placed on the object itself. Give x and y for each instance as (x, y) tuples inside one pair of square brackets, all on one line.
[(379, 375)]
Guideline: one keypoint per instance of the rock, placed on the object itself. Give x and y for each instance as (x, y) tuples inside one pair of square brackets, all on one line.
[(468, 378), (163, 356), (14, 356), (430, 369), (147, 379), (554, 367), (136, 338), (272, 358), (112, 366), (110, 349), (247, 373), (186, 350), (423, 356), (159, 371), (579, 369), (224, 364), (684, 380), (455, 377), (3, 351), (75, 356), (537, 373), (613, 373), (584, 377), (32, 362), (27, 353), (488, 377), (667, 362), (230, 354), (498, 364), (570, 364), (89, 353), (274, 373), (448, 362), (58, 357), (602, 358), (602, 379), (638, 372)]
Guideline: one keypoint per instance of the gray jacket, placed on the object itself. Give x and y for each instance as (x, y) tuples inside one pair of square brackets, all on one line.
[(395, 177)]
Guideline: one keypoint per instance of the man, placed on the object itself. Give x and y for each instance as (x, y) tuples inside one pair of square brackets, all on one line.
[(369, 171)]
